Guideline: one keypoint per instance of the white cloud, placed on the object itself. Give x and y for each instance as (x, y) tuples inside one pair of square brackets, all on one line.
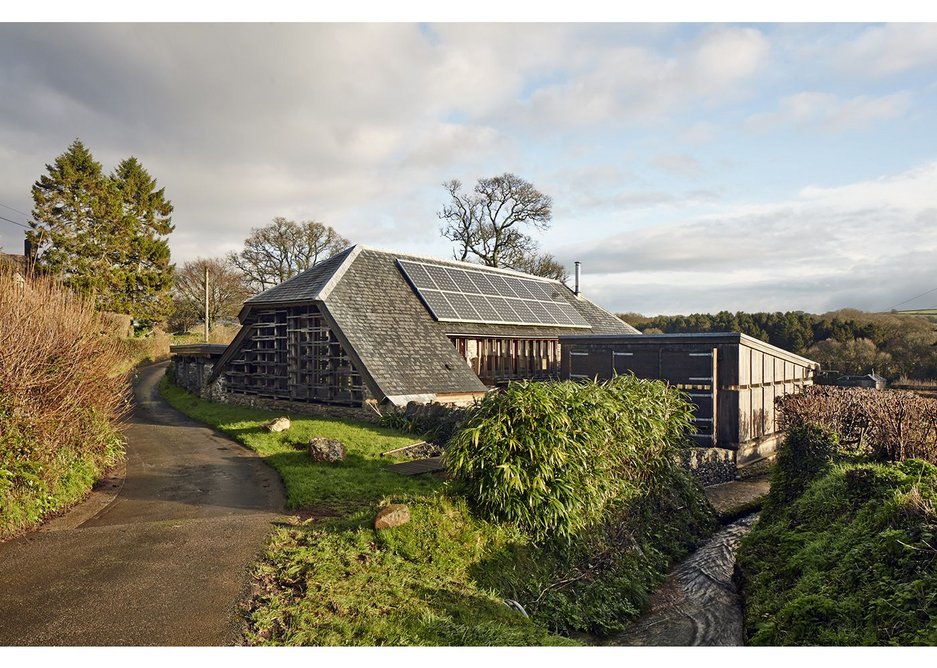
[(889, 50), (829, 112), (624, 83), (679, 164), (868, 245)]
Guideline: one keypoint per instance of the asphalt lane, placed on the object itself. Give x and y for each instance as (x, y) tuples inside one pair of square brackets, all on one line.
[(166, 561)]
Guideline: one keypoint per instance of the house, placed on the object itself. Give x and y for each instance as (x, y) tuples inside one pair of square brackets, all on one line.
[(732, 380), (370, 326), (15, 262), (870, 380)]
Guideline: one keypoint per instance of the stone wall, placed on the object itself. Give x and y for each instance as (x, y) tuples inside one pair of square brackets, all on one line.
[(710, 466), (360, 413)]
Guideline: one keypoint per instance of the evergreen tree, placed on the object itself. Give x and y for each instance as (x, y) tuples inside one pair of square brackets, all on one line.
[(144, 271), (74, 209), (105, 235)]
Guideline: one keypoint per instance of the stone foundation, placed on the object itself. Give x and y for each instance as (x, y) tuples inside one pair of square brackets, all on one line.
[(359, 413), (710, 466)]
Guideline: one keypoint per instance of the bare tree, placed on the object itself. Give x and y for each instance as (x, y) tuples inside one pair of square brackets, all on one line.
[(227, 291), (537, 264), (284, 248), (491, 223)]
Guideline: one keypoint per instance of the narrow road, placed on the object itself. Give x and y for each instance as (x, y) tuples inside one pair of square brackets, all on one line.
[(165, 561)]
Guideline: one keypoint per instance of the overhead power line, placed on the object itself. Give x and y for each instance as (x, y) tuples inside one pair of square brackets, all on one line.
[(14, 210), (15, 223), (923, 294)]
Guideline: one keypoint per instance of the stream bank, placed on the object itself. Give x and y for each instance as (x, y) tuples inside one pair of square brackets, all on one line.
[(699, 605)]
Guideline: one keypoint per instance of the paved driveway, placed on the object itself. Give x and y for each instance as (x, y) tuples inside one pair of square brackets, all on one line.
[(164, 562)]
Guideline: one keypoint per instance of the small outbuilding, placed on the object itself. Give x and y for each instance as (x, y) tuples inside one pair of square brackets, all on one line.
[(870, 380), (731, 378)]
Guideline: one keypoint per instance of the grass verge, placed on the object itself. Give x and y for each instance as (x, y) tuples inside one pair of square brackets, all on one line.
[(852, 560), (361, 481), (442, 578)]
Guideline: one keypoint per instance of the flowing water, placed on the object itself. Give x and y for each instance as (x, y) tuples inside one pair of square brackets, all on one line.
[(699, 604)]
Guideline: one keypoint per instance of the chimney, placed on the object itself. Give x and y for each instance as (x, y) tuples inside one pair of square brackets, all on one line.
[(578, 273)]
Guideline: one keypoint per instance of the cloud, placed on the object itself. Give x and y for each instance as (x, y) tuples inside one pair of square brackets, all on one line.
[(888, 50), (867, 245), (628, 82), (678, 164), (831, 113)]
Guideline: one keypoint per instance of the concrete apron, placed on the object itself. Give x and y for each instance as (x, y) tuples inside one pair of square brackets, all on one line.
[(164, 560)]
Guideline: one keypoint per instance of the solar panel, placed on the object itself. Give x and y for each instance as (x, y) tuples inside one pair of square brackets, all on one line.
[(463, 295)]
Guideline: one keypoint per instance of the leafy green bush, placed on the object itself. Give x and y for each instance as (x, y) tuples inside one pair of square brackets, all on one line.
[(602, 580), (805, 452), (552, 456), (849, 562)]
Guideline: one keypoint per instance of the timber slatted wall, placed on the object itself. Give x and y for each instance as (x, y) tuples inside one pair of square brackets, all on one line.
[(292, 353), (731, 379)]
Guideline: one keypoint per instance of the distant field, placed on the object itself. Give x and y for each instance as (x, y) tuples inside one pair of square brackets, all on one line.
[(920, 311)]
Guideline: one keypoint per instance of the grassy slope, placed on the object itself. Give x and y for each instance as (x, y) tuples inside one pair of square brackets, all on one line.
[(24, 506), (852, 561), (360, 481), (339, 582)]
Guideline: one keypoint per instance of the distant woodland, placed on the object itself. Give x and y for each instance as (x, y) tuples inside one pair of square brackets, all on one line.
[(848, 341)]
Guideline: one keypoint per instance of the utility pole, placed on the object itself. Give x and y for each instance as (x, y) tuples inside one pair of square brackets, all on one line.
[(206, 303)]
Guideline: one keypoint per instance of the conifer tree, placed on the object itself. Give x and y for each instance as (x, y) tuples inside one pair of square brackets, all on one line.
[(105, 235), (74, 210), (144, 270)]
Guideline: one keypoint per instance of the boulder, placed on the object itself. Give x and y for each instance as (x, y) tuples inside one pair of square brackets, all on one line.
[(278, 424), (326, 450), (392, 516)]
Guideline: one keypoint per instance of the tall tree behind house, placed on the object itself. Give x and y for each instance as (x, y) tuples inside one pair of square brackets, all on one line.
[(105, 235)]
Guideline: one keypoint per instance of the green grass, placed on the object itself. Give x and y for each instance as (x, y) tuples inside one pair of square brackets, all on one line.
[(850, 561), (440, 579), (340, 582), (29, 494), (360, 481)]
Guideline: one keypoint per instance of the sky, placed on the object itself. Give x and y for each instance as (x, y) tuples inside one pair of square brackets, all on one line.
[(693, 167)]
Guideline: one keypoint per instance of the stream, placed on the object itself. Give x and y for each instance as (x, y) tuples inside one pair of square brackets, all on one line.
[(699, 603)]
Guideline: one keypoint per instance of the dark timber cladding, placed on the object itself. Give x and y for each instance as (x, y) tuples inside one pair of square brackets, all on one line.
[(732, 379)]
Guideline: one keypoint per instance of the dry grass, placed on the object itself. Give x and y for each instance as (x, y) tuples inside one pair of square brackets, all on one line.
[(59, 397)]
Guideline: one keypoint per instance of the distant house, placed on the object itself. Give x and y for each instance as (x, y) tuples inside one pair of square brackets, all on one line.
[(15, 262), (375, 326), (871, 380)]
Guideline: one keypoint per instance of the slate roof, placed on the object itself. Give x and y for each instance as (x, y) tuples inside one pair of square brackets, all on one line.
[(404, 352), (305, 286)]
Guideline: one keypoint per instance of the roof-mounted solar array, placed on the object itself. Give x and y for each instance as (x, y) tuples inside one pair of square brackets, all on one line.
[(454, 294)]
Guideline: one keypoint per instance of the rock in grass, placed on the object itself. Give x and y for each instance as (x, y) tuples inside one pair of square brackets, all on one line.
[(278, 424), (392, 516), (326, 450)]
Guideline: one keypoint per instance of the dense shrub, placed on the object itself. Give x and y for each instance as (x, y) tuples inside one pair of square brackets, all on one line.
[(59, 397), (591, 472), (851, 561), (889, 425), (552, 456), (806, 452)]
